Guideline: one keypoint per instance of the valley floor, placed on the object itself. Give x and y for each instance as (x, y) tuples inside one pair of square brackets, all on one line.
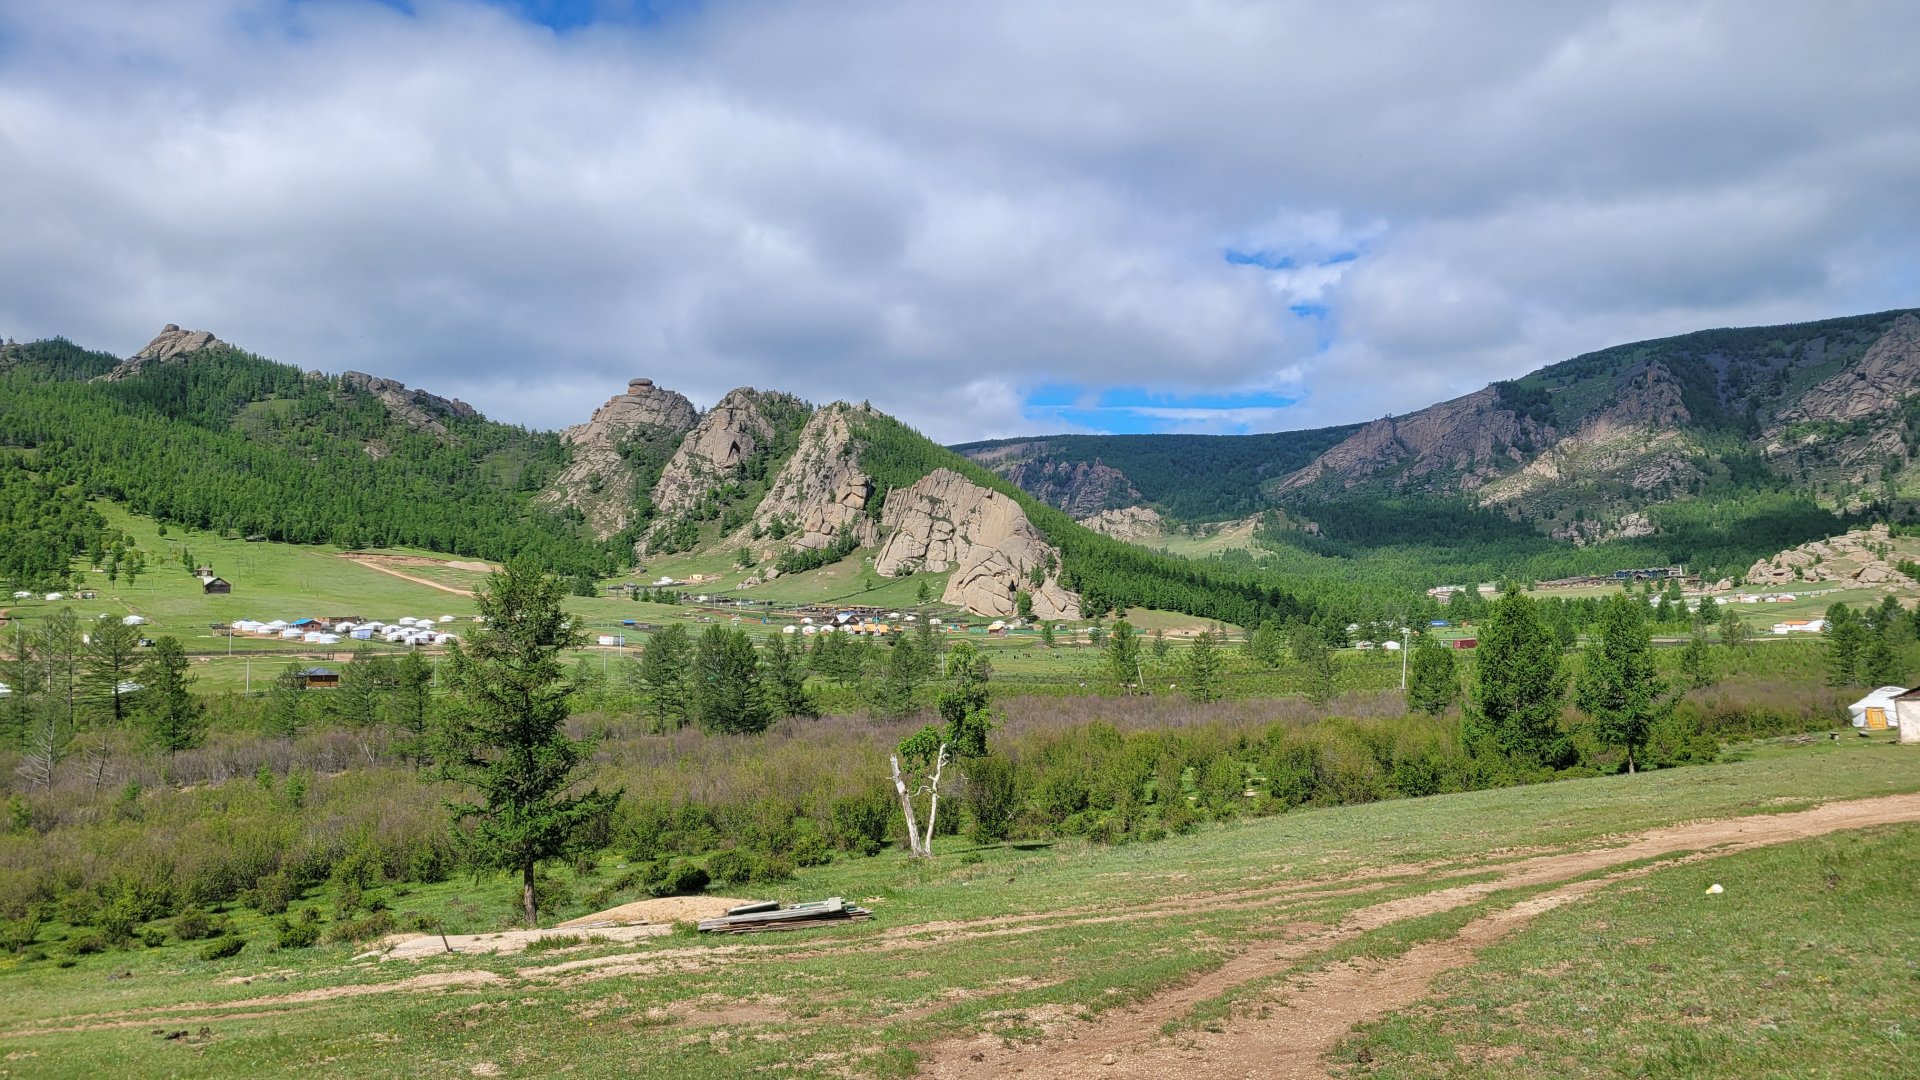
[(1556, 930)]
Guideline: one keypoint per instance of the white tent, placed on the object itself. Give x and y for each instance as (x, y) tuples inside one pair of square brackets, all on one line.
[(1875, 712), (23, 595), (133, 620), (789, 629), (408, 620), (56, 596), (446, 618)]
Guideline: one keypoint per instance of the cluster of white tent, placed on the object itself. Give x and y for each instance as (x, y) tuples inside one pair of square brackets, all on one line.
[(408, 630)]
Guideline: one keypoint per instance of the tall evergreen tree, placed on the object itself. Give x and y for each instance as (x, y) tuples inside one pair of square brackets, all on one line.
[(1123, 655), (1846, 645), (1433, 677), (899, 678), (1619, 686), (410, 705), (1518, 686), (786, 678), (1316, 663), (665, 678), (174, 716), (727, 694), (1266, 644), (1201, 672), (505, 740), (108, 667)]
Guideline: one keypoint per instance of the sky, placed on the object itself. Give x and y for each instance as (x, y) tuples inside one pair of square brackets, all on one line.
[(989, 218)]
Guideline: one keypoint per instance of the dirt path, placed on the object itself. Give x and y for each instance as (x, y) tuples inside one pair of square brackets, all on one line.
[(373, 563), (1291, 1039)]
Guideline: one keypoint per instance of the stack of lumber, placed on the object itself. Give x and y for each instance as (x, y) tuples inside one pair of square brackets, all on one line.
[(753, 918)]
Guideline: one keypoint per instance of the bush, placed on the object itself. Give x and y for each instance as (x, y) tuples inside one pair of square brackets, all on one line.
[(153, 937), (808, 847), (195, 924), (730, 867), (272, 893), (664, 877), (859, 822), (221, 948), (302, 933), (378, 924), (17, 934), (555, 941), (86, 942), (992, 798)]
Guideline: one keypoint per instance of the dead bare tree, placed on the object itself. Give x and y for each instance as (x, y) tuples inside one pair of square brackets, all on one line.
[(920, 843)]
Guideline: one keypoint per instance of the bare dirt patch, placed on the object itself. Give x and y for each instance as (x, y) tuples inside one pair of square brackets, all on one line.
[(665, 909), (390, 564), (422, 946)]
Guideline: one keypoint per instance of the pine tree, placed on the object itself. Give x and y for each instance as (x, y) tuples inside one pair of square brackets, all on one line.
[(1123, 655), (1619, 685), (1202, 668), (1160, 647), (1518, 686), (727, 695), (1316, 663), (665, 679), (1846, 645), (410, 706), (1734, 632), (173, 715), (506, 740), (1433, 677), (1265, 645), (108, 666), (899, 678), (1696, 659), (786, 678), (287, 702)]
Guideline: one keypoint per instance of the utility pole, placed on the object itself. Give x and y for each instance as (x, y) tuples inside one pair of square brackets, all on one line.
[(1406, 640)]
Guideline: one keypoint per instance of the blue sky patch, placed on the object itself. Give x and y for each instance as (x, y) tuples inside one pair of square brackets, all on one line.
[(1134, 410), (1266, 260)]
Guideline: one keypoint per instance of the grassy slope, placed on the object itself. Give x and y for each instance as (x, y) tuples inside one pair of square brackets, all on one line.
[(776, 1005)]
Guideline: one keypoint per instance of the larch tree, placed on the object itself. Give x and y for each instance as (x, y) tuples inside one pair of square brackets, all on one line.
[(174, 718), (1619, 686), (664, 678), (504, 738), (1433, 677), (1518, 686), (107, 668), (1201, 671), (727, 694), (1123, 656)]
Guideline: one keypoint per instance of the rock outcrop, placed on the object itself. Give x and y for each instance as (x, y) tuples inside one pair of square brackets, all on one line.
[(171, 344), (417, 409), (1134, 524), (1636, 441), (617, 453), (818, 492), (945, 522), (1080, 488), (1630, 526), (717, 448), (1860, 557), (1885, 377), (1460, 443)]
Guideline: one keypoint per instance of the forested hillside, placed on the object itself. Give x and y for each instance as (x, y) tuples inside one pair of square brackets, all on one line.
[(237, 443)]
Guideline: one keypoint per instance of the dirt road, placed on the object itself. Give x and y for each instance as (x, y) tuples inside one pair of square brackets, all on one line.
[(387, 564), (1306, 1019)]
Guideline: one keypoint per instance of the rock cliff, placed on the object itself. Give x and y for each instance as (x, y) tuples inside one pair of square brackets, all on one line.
[(1863, 557), (1080, 488), (1885, 377), (819, 491), (417, 409), (1457, 444), (945, 522), (618, 453), (169, 345), (1635, 442), (719, 446)]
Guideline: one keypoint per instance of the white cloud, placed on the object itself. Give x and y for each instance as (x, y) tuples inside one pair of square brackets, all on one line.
[(941, 206)]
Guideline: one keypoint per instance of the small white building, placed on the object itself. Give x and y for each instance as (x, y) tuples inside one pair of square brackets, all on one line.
[(1799, 626), (133, 620)]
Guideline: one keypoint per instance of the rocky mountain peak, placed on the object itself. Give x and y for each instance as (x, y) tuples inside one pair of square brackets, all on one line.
[(617, 454), (1465, 441), (719, 447), (820, 490), (172, 343)]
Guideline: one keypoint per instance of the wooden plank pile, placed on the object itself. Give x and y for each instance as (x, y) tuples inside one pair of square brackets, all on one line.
[(754, 918)]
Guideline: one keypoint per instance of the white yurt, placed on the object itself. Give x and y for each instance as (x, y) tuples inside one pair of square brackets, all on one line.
[(1875, 712), (133, 620)]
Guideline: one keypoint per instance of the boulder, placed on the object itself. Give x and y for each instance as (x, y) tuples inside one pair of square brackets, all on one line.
[(170, 345), (946, 522)]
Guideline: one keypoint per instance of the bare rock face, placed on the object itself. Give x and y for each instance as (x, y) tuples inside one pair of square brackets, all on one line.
[(417, 409), (1473, 437), (713, 452), (612, 447), (1629, 526), (1635, 440), (1134, 524), (820, 490), (172, 343), (946, 522), (1887, 375), (1080, 488)]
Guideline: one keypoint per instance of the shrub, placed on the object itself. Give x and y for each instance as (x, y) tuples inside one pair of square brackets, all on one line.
[(86, 942), (555, 941), (153, 937), (221, 948), (195, 924), (992, 798), (807, 846), (301, 933), (730, 867), (378, 924), (272, 893), (664, 877), (859, 822), (18, 934)]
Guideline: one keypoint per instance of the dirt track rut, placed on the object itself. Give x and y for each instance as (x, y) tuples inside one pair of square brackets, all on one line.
[(1320, 1009)]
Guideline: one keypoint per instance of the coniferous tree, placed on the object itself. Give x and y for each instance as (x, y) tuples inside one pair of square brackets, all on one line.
[(665, 679), (727, 694), (505, 739), (1846, 645), (1201, 672), (1265, 645), (1316, 663), (1123, 655), (1518, 686), (108, 667), (410, 705), (1160, 647), (174, 717), (1619, 685), (287, 702), (1696, 658), (1734, 632), (1433, 677), (786, 678)]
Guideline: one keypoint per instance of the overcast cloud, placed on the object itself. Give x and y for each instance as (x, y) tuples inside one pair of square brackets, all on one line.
[(990, 218)]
